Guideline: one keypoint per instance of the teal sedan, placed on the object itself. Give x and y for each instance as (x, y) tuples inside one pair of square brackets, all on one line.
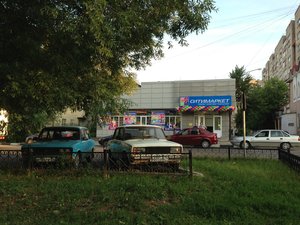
[(72, 143)]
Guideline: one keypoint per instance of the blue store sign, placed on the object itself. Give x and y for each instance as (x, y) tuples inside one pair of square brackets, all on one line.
[(205, 101)]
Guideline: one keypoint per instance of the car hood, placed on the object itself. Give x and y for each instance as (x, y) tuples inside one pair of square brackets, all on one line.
[(152, 143), (52, 144)]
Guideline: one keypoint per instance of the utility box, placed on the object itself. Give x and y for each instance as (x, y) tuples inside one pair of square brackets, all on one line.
[(289, 123)]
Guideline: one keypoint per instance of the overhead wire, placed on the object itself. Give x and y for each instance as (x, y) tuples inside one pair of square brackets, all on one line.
[(246, 30), (292, 10)]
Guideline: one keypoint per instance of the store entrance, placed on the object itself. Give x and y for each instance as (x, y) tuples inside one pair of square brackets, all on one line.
[(141, 120)]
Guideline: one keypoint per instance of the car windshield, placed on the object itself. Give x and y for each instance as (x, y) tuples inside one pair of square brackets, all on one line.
[(143, 133), (49, 134)]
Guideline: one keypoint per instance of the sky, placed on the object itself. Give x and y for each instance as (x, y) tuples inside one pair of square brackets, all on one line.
[(241, 33)]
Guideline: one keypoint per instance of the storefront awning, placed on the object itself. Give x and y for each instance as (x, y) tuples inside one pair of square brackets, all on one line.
[(205, 108)]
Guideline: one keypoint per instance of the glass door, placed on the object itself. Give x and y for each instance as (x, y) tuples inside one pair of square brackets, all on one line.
[(217, 120), (200, 121), (142, 120)]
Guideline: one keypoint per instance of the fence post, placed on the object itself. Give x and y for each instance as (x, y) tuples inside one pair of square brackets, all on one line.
[(106, 164), (229, 153), (190, 163)]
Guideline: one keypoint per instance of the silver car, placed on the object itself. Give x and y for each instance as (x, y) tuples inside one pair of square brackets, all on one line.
[(268, 139)]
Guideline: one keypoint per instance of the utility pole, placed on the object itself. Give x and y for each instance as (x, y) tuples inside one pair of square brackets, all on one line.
[(244, 122)]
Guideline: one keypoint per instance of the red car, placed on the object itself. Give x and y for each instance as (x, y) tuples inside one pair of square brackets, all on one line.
[(195, 137)]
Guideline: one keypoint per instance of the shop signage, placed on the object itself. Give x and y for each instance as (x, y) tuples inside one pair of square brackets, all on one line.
[(158, 118), (205, 101)]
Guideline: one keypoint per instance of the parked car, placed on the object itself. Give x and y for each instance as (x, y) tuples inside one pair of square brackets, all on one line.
[(195, 137), (103, 140), (71, 142), (268, 139), (143, 144)]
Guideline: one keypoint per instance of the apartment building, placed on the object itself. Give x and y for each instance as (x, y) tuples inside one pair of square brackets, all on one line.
[(284, 64)]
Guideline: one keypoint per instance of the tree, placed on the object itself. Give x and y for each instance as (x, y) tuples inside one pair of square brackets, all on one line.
[(264, 101), (242, 82), (78, 54)]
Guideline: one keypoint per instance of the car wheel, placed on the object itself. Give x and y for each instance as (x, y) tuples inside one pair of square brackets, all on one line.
[(205, 144), (247, 145), (78, 160), (123, 161), (285, 146), (90, 156)]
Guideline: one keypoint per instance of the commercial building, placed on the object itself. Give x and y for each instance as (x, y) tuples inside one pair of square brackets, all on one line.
[(179, 104)]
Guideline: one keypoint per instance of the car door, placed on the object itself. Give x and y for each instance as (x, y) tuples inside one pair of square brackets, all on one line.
[(86, 144), (115, 145), (276, 138), (183, 137), (261, 139)]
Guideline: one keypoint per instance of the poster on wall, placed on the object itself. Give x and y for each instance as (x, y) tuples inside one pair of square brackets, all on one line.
[(129, 118), (112, 125), (158, 118)]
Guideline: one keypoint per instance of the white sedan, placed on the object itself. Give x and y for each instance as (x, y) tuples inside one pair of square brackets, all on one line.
[(268, 139)]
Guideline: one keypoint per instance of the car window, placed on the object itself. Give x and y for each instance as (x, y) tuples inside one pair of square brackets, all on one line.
[(285, 134), (119, 134), (264, 133), (185, 132), (276, 133), (143, 132), (84, 134), (59, 134)]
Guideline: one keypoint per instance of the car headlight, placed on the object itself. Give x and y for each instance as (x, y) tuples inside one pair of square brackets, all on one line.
[(175, 150), (137, 150)]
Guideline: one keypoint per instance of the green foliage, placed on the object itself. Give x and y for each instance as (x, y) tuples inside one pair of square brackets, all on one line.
[(242, 82), (229, 192), (263, 103), (78, 54)]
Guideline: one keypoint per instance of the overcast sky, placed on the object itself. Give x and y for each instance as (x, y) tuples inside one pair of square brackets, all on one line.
[(243, 33)]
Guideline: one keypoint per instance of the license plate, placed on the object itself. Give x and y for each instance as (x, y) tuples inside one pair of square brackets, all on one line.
[(45, 159), (159, 158)]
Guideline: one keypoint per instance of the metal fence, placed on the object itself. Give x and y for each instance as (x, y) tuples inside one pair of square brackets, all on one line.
[(291, 160), (102, 161), (179, 164), (229, 152)]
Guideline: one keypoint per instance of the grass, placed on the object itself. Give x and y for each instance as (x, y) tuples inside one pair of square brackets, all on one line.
[(226, 192)]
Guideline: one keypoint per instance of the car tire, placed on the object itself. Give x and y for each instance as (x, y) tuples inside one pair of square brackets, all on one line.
[(205, 144), (123, 161), (90, 157), (248, 145), (285, 146), (78, 160)]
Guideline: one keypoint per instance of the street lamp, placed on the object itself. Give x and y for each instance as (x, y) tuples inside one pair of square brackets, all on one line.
[(244, 106)]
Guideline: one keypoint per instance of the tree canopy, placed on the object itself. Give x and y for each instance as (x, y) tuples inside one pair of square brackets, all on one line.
[(264, 101), (242, 82), (78, 54)]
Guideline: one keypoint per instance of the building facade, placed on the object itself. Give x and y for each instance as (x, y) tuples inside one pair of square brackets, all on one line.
[(179, 104), (284, 64)]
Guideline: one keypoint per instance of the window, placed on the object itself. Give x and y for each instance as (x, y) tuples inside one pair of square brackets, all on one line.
[(263, 134), (173, 121), (276, 134)]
